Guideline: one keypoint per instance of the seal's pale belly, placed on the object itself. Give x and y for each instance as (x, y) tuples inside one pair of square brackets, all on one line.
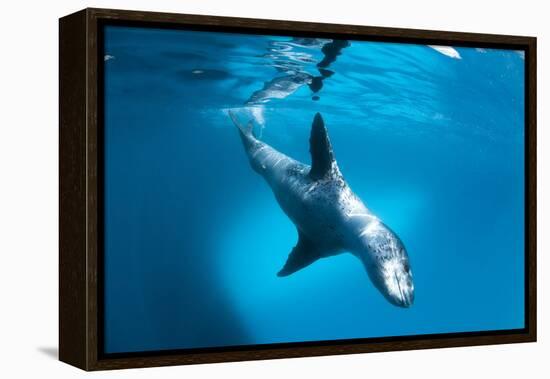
[(313, 208)]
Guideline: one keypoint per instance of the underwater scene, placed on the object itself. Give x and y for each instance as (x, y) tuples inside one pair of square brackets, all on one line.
[(263, 189)]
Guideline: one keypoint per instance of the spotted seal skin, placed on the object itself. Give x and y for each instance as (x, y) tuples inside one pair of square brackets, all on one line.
[(329, 217)]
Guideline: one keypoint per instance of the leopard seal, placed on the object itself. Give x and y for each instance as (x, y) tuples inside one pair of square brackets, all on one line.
[(329, 218)]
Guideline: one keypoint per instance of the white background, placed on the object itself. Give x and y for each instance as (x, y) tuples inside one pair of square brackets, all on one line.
[(29, 187)]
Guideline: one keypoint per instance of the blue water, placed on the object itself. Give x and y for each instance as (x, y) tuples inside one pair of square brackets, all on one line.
[(432, 141)]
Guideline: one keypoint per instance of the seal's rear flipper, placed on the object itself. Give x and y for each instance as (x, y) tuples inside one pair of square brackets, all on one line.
[(302, 255), (235, 120), (246, 132), (322, 157)]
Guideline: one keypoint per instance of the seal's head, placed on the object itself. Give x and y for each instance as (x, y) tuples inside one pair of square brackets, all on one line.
[(387, 264)]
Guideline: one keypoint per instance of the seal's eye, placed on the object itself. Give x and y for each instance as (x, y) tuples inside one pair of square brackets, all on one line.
[(406, 267)]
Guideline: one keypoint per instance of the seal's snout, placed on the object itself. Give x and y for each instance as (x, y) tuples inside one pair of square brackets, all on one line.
[(406, 297), (399, 284)]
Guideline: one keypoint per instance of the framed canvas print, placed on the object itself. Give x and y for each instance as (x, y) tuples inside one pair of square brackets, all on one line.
[(237, 189)]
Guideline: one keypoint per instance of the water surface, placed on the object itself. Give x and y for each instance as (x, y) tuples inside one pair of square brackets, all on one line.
[(432, 140)]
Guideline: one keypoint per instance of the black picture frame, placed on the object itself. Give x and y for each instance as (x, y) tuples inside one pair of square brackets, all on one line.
[(81, 183)]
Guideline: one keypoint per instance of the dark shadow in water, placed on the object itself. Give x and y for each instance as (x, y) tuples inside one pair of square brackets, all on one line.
[(326, 73), (49, 351), (296, 74), (331, 51), (203, 74)]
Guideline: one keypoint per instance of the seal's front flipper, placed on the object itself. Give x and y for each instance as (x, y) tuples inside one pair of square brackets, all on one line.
[(303, 254), (322, 157)]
